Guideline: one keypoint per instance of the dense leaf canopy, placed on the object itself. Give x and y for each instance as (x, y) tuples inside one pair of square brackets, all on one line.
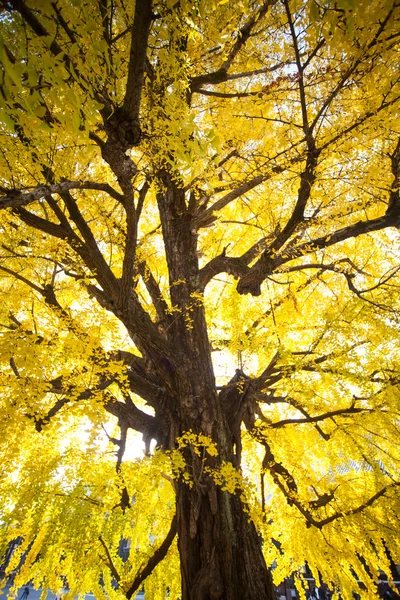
[(186, 184)]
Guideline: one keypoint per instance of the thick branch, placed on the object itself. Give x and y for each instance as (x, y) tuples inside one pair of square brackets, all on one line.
[(217, 77), (394, 197), (33, 22), (134, 317), (142, 380), (236, 266), (250, 282), (93, 256), (154, 291), (278, 471), (141, 329), (134, 418), (390, 219), (128, 264), (49, 227), (19, 198), (60, 19), (265, 266), (228, 94), (137, 59)]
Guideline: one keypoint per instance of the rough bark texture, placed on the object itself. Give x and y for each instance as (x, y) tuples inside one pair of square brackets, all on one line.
[(220, 553), (219, 547)]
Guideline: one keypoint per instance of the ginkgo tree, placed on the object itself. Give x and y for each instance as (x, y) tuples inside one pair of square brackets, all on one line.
[(200, 244)]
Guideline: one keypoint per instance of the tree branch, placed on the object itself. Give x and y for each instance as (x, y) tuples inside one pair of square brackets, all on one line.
[(154, 291), (217, 77), (322, 417), (142, 380), (390, 219), (137, 59), (19, 198), (206, 217), (236, 266), (204, 92), (68, 394), (63, 23), (109, 561), (30, 18), (134, 418), (128, 263), (33, 286), (139, 325), (221, 74), (358, 509), (153, 561), (250, 283), (92, 256)]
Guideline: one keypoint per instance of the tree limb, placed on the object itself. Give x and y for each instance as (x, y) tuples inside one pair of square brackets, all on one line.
[(153, 561), (359, 508), (19, 198), (133, 417), (109, 560), (66, 399), (250, 283), (31, 19), (128, 263), (137, 59), (322, 417), (244, 33), (236, 266), (154, 291)]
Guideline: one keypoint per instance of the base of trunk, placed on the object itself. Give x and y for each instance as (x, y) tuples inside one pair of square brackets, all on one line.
[(220, 550)]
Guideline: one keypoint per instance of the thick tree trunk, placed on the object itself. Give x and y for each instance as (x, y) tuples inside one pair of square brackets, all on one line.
[(220, 551)]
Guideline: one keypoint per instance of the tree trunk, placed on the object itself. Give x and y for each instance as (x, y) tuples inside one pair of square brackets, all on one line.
[(219, 548), (220, 551)]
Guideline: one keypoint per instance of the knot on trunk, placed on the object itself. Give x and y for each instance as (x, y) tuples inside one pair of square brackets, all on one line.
[(123, 130), (122, 165), (123, 133), (208, 584), (249, 284), (234, 400)]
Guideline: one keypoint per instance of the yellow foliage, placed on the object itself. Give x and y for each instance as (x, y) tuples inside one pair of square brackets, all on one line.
[(257, 230)]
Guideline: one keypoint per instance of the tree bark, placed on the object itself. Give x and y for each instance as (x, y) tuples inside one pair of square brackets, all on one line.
[(220, 550)]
